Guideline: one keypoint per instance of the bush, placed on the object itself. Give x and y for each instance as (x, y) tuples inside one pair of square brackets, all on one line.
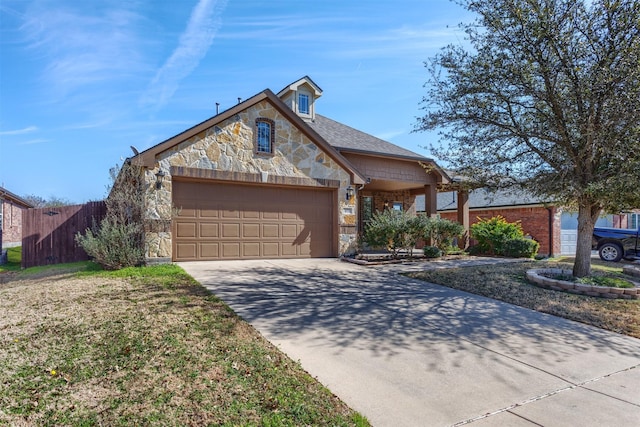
[(113, 246), (390, 229), (397, 230), (521, 248), (432, 252), (118, 241), (441, 232), (492, 234)]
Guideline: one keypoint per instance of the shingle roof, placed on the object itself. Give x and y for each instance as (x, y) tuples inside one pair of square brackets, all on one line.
[(6, 194), (481, 198), (346, 138)]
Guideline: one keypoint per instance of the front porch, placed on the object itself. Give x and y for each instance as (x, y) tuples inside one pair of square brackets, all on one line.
[(389, 189)]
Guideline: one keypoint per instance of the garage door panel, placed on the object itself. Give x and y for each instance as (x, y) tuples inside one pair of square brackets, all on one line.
[(234, 221), (270, 249), (209, 213), (231, 230), (270, 230), (270, 215), (289, 230), (186, 229), (251, 214), (208, 229), (209, 250), (186, 250), (251, 231), (251, 249), (230, 213), (288, 249), (187, 213), (305, 249), (231, 250)]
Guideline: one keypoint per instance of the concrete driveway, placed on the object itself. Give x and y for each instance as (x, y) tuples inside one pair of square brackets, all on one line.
[(409, 353)]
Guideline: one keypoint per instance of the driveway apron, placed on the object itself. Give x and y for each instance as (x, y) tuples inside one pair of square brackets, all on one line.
[(408, 353)]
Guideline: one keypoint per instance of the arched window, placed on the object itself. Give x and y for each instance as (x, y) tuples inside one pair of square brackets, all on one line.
[(265, 134)]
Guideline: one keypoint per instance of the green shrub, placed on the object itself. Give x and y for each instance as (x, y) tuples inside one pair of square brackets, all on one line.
[(397, 230), (113, 246), (432, 252), (521, 248), (492, 234), (390, 229), (441, 232), (118, 241)]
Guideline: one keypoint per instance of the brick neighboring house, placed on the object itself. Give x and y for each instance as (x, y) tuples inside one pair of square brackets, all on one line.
[(541, 220), (11, 208), (271, 178), (551, 225)]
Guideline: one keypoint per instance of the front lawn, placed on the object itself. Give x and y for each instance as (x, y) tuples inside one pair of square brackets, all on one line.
[(507, 282), (143, 346)]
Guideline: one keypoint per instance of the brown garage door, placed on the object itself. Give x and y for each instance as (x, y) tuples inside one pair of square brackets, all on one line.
[(233, 221)]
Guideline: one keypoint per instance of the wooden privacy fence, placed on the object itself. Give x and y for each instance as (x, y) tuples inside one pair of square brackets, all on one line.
[(48, 234)]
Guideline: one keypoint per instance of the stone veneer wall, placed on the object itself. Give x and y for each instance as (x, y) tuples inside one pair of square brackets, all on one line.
[(385, 199), (230, 146)]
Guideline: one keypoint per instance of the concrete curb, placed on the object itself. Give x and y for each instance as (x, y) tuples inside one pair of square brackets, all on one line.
[(539, 277)]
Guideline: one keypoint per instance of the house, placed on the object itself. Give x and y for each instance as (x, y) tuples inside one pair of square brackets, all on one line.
[(550, 224), (539, 219), (272, 178), (11, 208)]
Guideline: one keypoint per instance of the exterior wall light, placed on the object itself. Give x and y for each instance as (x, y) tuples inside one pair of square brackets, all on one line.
[(159, 177), (350, 193)]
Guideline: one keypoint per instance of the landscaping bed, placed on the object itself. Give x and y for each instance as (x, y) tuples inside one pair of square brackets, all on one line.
[(559, 279), (381, 258)]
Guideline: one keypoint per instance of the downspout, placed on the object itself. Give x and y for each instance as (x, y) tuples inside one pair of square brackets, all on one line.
[(551, 212)]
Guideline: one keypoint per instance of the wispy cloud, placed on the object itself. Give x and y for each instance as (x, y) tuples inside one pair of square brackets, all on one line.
[(88, 125), (193, 45), (33, 141), (19, 131), (389, 135), (82, 47)]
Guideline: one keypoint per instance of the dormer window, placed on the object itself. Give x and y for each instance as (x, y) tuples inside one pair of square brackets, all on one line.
[(303, 103), (301, 97)]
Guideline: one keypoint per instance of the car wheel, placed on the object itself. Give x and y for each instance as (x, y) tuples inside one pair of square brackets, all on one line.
[(611, 252)]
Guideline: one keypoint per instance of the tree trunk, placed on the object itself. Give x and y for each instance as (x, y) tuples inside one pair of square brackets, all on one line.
[(588, 214)]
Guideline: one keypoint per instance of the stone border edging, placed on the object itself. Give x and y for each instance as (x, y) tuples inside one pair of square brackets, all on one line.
[(536, 276), (631, 271)]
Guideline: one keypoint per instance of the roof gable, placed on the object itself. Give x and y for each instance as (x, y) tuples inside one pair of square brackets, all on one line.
[(304, 81), (147, 158), (8, 195)]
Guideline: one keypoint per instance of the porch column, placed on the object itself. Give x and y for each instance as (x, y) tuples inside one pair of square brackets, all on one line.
[(463, 217), (430, 200)]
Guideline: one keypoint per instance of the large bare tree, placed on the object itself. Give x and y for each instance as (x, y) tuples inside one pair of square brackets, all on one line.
[(544, 95)]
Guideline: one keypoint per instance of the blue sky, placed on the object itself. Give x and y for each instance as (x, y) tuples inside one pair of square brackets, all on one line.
[(81, 81)]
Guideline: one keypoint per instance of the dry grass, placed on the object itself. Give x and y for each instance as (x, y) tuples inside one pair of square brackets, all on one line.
[(507, 282), (98, 350)]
